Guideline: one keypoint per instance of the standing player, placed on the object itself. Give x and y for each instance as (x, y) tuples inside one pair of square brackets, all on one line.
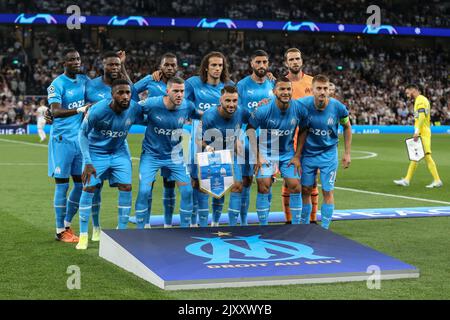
[(277, 122), (156, 86), (252, 90), (162, 148), (96, 90), (205, 91), (220, 130), (421, 129), (301, 87), (40, 112), (105, 153), (319, 151), (66, 98)]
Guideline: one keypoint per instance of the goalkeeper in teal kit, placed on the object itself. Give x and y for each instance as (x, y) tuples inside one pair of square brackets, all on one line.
[(318, 146)]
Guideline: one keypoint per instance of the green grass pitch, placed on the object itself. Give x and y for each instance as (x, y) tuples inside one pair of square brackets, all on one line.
[(33, 265)]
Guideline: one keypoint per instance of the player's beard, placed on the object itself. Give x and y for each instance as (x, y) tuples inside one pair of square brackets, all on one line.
[(295, 71), (260, 73)]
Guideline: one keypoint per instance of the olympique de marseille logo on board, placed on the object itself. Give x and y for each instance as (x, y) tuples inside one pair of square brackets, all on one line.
[(250, 249)]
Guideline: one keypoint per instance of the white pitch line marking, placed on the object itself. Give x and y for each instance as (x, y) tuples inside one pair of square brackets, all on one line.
[(392, 195), (368, 156), (38, 145)]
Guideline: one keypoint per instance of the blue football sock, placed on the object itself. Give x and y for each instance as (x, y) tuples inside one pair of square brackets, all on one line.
[(185, 205), (169, 204), (59, 204), (245, 202), (149, 210), (195, 193), (270, 196), (73, 203), (295, 204), (85, 210), (234, 207), (217, 206), (326, 212), (96, 202), (124, 208), (306, 213), (262, 208), (141, 205), (203, 209)]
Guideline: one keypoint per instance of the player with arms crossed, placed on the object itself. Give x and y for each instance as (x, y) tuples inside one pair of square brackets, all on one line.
[(319, 150), (156, 86), (66, 98), (205, 91), (253, 90), (277, 122), (162, 147), (220, 130), (105, 153), (422, 129)]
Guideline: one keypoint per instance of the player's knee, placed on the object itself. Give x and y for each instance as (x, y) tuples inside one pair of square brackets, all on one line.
[(247, 181), (168, 184), (145, 190), (328, 196), (306, 190), (295, 188), (237, 187), (89, 189), (186, 192), (76, 179), (194, 183), (263, 188), (61, 180), (124, 187)]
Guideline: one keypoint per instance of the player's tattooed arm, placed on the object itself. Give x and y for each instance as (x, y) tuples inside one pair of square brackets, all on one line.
[(346, 158)]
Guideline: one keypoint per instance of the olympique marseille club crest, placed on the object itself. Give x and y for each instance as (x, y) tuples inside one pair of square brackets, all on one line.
[(249, 249), (215, 172)]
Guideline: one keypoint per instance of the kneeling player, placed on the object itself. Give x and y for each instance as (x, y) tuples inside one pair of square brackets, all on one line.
[(319, 151), (277, 122), (105, 154)]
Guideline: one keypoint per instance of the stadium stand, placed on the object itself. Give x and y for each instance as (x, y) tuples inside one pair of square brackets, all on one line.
[(403, 12), (370, 76)]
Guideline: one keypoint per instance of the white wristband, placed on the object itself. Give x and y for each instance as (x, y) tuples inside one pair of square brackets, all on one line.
[(209, 149), (416, 130), (81, 109)]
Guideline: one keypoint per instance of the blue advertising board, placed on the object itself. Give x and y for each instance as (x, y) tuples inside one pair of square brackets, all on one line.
[(222, 23), (347, 214), (188, 258)]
